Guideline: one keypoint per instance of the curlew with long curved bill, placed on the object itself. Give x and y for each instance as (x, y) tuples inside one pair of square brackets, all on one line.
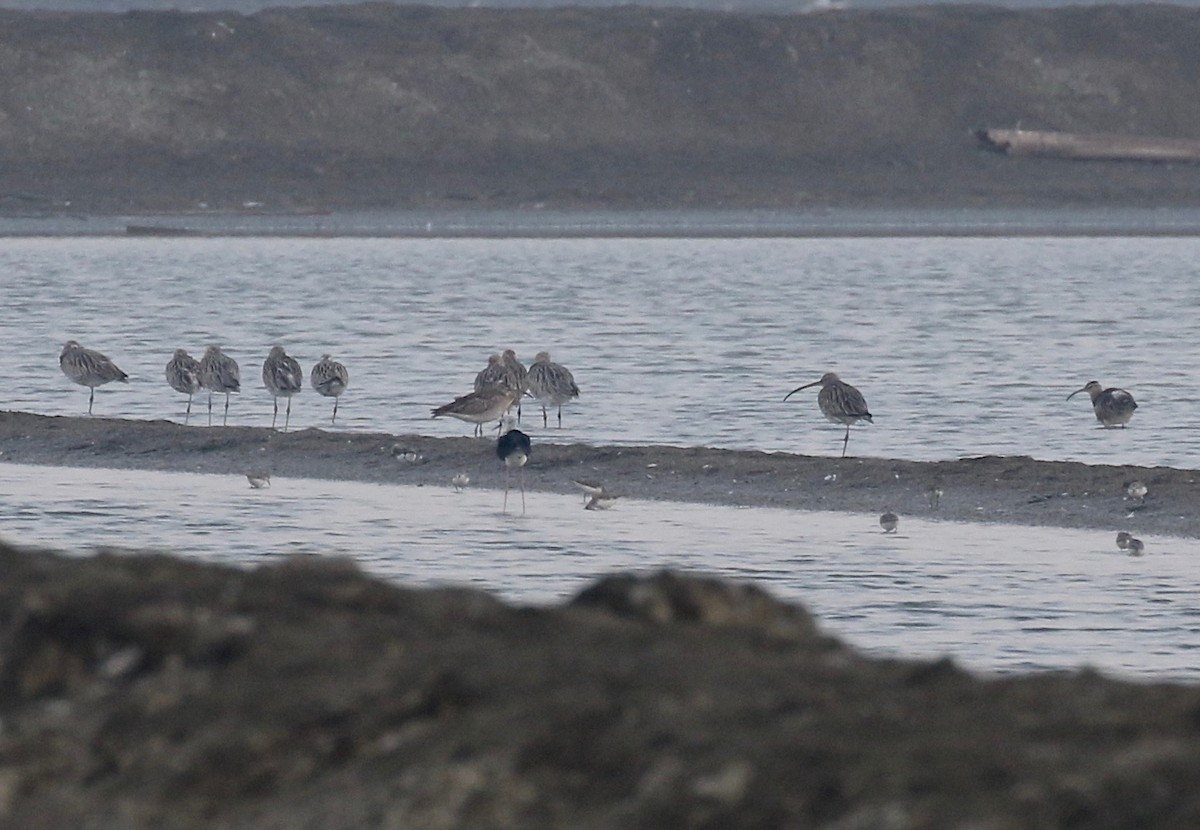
[(839, 402), (283, 378), (88, 368), (1113, 407), (479, 408), (513, 448), (183, 374), (219, 373), (330, 379), (552, 384)]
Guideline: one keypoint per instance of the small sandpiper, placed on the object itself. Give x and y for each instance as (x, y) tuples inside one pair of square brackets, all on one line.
[(889, 521), (1136, 546), (601, 501), (1136, 492), (460, 482), (935, 497), (590, 487), (258, 480), (1123, 540)]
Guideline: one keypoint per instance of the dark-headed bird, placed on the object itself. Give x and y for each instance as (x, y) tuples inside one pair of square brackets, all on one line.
[(513, 449), (839, 402)]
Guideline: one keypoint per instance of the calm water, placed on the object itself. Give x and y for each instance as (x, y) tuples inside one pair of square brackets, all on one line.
[(997, 598), (962, 346)]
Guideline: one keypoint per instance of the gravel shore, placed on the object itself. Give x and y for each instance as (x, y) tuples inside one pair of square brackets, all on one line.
[(1018, 490)]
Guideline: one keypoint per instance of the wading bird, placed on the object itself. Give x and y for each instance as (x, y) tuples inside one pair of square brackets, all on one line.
[(513, 449), (219, 373), (551, 384), (88, 368), (839, 402), (283, 378), (1113, 407), (330, 379), (479, 408), (183, 373)]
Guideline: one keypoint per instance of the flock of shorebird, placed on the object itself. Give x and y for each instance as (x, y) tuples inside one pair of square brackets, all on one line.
[(499, 387)]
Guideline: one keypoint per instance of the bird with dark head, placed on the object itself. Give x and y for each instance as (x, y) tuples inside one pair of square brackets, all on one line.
[(1113, 407), (513, 448), (839, 402)]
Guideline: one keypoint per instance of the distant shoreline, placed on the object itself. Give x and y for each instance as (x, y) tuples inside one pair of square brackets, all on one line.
[(687, 223)]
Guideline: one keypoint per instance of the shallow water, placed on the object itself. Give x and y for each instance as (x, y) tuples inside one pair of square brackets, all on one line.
[(962, 346), (995, 597)]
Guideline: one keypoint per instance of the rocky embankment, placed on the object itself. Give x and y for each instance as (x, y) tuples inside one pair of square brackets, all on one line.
[(150, 692), (410, 107)]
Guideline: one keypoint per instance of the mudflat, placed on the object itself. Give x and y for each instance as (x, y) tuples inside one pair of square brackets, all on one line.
[(1015, 490)]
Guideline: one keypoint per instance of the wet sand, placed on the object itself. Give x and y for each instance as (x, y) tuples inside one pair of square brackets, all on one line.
[(1015, 490)]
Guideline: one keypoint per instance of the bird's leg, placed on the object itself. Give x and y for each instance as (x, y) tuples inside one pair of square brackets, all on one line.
[(845, 441), (334, 419), (276, 415), (506, 488), (522, 490), (225, 420), (91, 398), (187, 415), (287, 419), (518, 410), (560, 416), (544, 417), (210, 408)]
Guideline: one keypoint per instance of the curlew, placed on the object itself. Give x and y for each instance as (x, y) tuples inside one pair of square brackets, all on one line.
[(513, 448), (330, 379), (183, 374), (479, 408), (839, 402), (88, 368), (283, 378), (1113, 407), (551, 384), (219, 373)]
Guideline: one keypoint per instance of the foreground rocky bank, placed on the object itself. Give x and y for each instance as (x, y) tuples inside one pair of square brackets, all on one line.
[(147, 691), (1017, 490)]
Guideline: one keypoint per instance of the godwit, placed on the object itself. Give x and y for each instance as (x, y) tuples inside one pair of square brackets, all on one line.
[(1113, 407), (552, 385), (492, 374), (888, 521), (283, 377), (513, 449), (330, 379), (183, 373), (219, 373), (839, 402), (88, 368), (517, 376), (479, 408)]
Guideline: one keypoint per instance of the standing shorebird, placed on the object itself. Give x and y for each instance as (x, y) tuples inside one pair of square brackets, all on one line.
[(552, 385), (219, 373), (183, 373), (88, 368), (479, 408), (1123, 538), (590, 487), (460, 481), (601, 501), (839, 402), (1113, 407), (889, 521), (517, 376), (330, 379), (492, 374), (283, 378), (1136, 546), (258, 480), (513, 449)]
